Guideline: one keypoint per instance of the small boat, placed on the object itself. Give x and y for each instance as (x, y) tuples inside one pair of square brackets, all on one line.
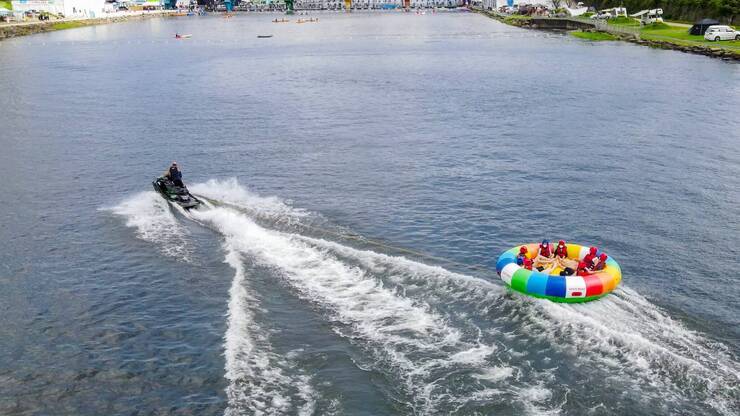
[(175, 194), (179, 36), (264, 36)]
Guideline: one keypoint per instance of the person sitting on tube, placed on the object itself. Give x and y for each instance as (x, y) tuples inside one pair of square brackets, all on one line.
[(561, 258), (545, 256), (598, 263), (589, 259), (523, 260)]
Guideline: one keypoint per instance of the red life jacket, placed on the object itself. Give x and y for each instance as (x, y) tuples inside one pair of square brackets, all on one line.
[(527, 263), (599, 266), (561, 252), (546, 251), (589, 259), (582, 272)]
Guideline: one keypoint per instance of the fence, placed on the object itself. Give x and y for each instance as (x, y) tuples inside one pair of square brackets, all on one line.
[(603, 26)]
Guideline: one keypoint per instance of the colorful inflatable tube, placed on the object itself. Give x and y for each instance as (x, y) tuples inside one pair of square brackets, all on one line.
[(569, 289)]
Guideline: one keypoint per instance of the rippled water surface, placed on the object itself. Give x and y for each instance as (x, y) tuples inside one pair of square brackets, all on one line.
[(364, 172)]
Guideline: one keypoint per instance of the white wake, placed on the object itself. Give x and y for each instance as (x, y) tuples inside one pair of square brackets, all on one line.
[(151, 217)]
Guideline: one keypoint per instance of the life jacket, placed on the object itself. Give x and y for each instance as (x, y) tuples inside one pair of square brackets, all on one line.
[(599, 266), (561, 252), (524, 261), (175, 174), (527, 263), (546, 251), (589, 259)]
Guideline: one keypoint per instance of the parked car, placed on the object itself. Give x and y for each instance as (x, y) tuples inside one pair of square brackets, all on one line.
[(604, 16), (717, 33)]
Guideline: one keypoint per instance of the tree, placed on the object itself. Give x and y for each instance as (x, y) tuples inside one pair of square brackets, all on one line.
[(729, 9)]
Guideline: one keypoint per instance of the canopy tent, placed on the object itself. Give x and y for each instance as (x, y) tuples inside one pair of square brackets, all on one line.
[(701, 26)]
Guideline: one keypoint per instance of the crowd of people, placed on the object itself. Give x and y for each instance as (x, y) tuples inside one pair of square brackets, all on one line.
[(548, 258)]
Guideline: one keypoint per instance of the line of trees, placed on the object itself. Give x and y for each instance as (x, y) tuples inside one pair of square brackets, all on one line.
[(727, 11)]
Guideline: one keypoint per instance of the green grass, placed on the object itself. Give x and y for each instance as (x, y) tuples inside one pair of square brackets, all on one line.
[(623, 21), (515, 17), (593, 36), (67, 25), (681, 36), (662, 26)]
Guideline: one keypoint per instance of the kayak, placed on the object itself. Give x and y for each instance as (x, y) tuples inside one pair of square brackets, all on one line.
[(175, 194), (553, 286)]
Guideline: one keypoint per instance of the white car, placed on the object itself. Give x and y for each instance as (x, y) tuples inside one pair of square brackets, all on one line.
[(721, 33), (603, 15)]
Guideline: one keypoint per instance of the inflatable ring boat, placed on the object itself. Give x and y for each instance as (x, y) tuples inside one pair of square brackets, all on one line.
[(568, 289)]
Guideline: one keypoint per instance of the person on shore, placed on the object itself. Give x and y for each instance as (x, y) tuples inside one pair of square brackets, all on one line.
[(174, 174)]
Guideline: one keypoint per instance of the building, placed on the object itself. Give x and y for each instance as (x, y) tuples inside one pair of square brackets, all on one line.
[(69, 8)]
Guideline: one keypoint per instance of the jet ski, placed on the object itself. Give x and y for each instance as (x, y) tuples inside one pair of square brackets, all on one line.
[(175, 194)]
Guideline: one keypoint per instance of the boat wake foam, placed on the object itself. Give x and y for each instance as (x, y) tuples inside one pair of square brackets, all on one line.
[(438, 366), (449, 342), (258, 383), (154, 222)]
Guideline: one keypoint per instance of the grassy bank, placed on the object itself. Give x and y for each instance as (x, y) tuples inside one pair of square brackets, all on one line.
[(516, 19), (593, 36), (680, 36), (661, 35), (69, 25)]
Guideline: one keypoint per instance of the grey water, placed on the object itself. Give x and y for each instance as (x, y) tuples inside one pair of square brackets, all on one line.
[(364, 173)]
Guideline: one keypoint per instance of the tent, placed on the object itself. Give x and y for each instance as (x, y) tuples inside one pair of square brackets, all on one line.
[(701, 26)]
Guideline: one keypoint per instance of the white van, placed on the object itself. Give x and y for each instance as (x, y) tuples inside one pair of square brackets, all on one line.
[(717, 32)]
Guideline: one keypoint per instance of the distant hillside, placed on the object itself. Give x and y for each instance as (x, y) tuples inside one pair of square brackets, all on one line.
[(727, 11)]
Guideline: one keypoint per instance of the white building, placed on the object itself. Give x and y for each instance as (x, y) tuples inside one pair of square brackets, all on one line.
[(70, 8)]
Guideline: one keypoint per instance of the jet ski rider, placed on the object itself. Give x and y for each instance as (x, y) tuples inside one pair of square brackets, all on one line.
[(174, 174)]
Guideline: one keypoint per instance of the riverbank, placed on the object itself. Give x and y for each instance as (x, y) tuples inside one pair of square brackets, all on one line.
[(665, 36), (12, 30)]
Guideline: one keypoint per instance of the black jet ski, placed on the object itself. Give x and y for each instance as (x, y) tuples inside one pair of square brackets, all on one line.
[(175, 194)]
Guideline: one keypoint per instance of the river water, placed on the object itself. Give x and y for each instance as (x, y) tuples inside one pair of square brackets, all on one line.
[(366, 171)]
